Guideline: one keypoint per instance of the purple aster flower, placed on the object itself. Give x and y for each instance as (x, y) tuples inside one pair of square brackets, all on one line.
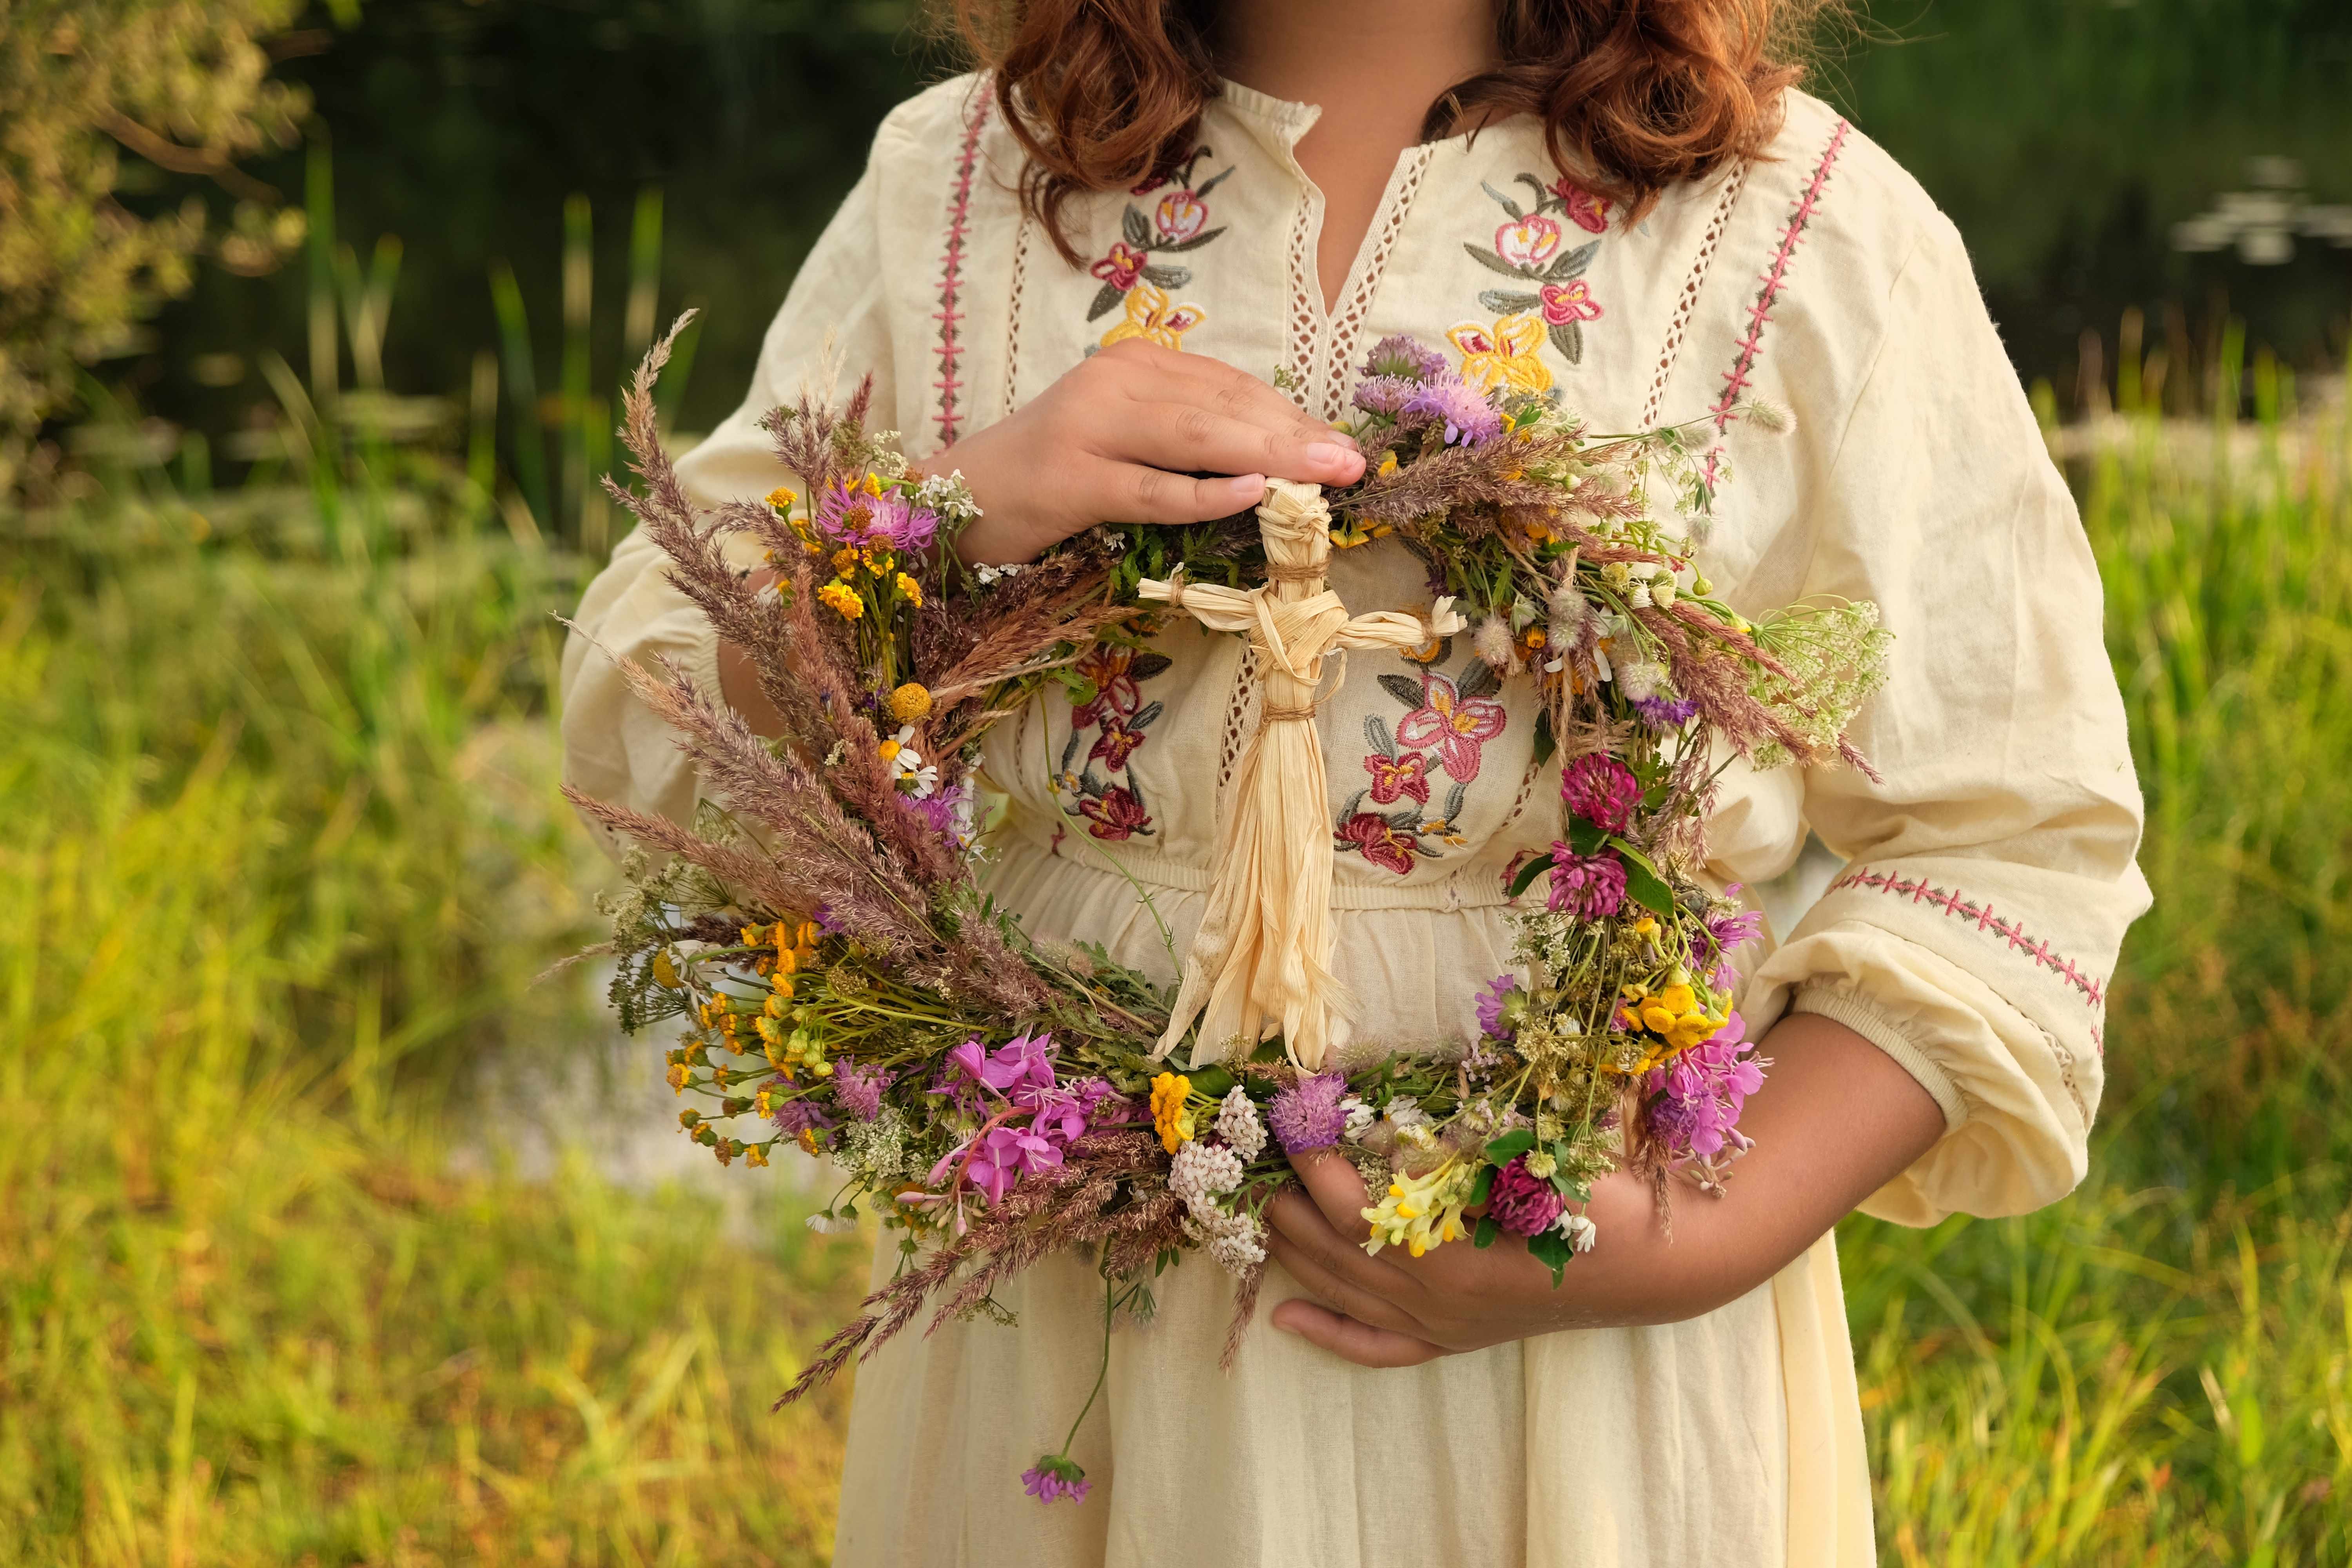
[(1469, 419), (1306, 1115), (1494, 1005), (1726, 934), (794, 1117), (1588, 887), (1700, 1095), (1403, 356), (850, 514), (948, 812), (1521, 1204), (859, 1090), (1602, 790), (1666, 712), (1053, 1477), (1385, 395)]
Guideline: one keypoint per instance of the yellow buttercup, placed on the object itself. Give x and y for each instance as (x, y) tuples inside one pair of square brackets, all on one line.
[(1505, 354), (1150, 316)]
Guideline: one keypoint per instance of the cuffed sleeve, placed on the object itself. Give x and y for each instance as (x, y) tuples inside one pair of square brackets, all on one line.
[(1990, 876)]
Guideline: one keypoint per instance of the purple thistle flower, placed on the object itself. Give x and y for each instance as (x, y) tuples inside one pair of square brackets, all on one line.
[(1521, 1204), (1588, 887), (1701, 1093), (794, 1117), (1729, 934), (1306, 1115), (1402, 356), (825, 923), (1469, 419), (850, 514), (1666, 712), (1053, 1477), (948, 812), (859, 1090), (1494, 1004), (1385, 394), (1602, 790)]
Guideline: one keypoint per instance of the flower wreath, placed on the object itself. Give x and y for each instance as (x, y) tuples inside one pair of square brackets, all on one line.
[(845, 978)]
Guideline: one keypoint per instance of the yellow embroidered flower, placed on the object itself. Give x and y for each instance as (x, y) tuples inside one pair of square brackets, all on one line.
[(1150, 316), (910, 591), (1506, 354), (1170, 1116), (1422, 1212), (911, 704), (843, 600)]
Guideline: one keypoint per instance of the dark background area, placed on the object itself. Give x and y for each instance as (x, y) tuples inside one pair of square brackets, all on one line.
[(2066, 137)]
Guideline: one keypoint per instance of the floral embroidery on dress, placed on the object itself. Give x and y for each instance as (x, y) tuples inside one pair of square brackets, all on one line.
[(1551, 300), (1445, 729), (1130, 275), (1117, 716)]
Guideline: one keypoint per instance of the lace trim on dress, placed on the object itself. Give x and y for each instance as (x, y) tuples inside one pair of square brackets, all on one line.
[(1348, 330), (1306, 310), (1680, 326)]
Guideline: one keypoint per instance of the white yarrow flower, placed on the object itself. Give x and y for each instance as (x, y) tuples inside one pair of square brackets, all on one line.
[(1238, 1124)]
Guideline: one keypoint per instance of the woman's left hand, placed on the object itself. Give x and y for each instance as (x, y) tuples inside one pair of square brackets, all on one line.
[(1836, 1119)]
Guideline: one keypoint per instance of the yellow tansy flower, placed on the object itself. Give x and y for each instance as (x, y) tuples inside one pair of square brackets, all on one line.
[(844, 602), (1169, 1115), (910, 590), (781, 497)]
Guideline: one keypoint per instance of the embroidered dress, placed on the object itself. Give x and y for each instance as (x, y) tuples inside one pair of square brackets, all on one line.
[(1990, 879)]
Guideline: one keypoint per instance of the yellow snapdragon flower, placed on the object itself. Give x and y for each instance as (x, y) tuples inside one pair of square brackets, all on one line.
[(1422, 1212)]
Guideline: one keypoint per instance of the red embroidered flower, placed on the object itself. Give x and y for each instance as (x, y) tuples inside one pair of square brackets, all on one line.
[(1381, 843), (1587, 211), (1180, 216), (1115, 745), (1117, 816), (1456, 725), (1116, 691), (1396, 777), (1566, 302), (1122, 267), (1528, 242)]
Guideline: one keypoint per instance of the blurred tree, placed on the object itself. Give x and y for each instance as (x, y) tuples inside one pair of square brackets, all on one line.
[(183, 85)]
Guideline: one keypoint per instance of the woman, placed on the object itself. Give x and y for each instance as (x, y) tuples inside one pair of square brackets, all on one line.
[(1131, 254)]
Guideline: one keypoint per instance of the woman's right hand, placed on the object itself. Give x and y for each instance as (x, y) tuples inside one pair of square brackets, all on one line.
[(1118, 439)]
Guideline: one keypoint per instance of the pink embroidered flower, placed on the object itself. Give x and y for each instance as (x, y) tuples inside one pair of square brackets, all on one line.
[(1456, 725), (1112, 672), (1115, 745), (1122, 267), (1396, 777), (1587, 211), (1528, 242), (1566, 302), (1379, 843), (1600, 789), (1118, 816), (1180, 216)]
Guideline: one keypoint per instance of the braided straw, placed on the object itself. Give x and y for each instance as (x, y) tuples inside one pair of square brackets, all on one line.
[(1260, 959)]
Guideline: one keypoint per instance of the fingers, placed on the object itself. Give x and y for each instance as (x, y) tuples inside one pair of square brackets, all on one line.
[(1337, 1190), (1350, 1340), (1185, 436), (1335, 1290), (1135, 494)]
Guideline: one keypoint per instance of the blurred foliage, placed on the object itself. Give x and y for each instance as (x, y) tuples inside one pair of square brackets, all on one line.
[(183, 84)]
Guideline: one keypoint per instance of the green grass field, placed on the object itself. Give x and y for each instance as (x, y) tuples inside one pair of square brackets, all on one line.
[(282, 855)]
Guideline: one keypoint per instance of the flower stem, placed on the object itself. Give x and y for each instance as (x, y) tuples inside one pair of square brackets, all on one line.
[(1110, 1306)]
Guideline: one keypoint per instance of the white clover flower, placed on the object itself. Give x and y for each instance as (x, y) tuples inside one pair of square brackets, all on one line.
[(1361, 1118), (1581, 1232), (1238, 1124)]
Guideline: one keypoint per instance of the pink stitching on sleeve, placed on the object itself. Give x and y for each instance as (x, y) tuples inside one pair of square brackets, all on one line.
[(2092, 989), (951, 265)]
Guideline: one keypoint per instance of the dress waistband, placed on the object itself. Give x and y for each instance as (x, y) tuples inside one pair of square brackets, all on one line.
[(1152, 869)]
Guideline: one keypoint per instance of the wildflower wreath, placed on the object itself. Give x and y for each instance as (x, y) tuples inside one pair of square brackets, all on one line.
[(843, 976)]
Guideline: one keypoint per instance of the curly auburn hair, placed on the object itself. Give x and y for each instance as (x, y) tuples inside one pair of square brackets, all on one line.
[(1635, 95)]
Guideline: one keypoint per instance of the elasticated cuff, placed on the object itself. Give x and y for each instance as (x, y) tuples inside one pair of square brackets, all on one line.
[(1847, 1009)]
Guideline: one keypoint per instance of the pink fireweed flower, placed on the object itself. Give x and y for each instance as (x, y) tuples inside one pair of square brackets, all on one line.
[(1495, 1010), (852, 514), (1522, 1204), (1469, 419), (1053, 1477), (1701, 1093), (1005, 1156), (1307, 1115), (1588, 887), (1602, 790)]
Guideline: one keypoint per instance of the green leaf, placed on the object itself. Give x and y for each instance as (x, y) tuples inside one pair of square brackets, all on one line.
[(1545, 744), (1484, 1236), (1553, 1250), (1136, 229), (1487, 259), (1510, 1146), (1178, 247), (1518, 213), (1584, 837), (1212, 1081), (1107, 300), (1510, 301), (1482, 1186), (1168, 277), (1528, 873), (1642, 880), (1568, 337)]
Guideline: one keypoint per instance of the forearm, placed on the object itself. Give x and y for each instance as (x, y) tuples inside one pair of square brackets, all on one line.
[(739, 680)]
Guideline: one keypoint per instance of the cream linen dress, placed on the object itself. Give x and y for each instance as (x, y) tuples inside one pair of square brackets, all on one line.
[(1990, 876)]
